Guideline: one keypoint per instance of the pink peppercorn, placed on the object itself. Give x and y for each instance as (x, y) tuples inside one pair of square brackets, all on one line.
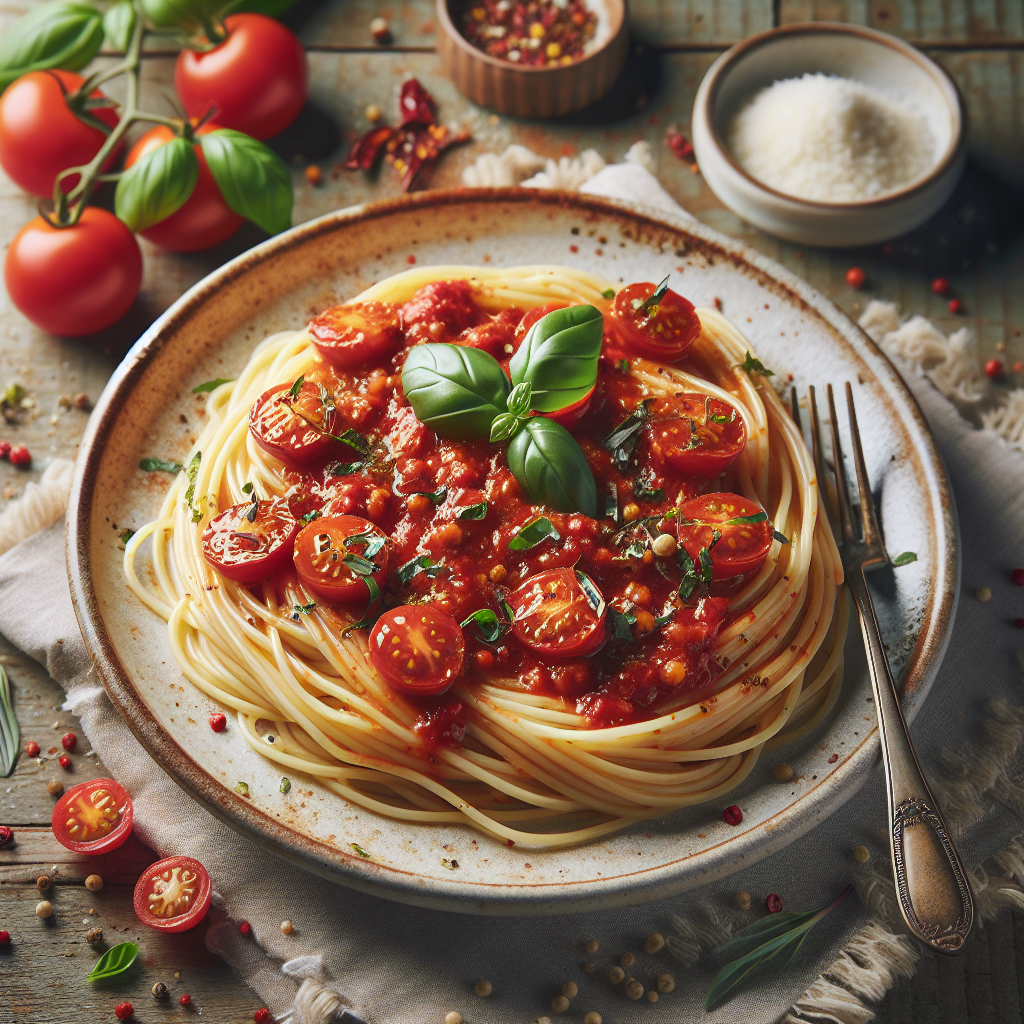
[(732, 815), (773, 904), (124, 1011), (218, 721), (410, 259), (19, 456), (245, 928), (64, 762), (5, 449), (262, 1016), (5, 938), (1019, 623), (1017, 577), (994, 368), (855, 277), (6, 835), (69, 741), (940, 286), (185, 1000), (32, 748), (954, 305)]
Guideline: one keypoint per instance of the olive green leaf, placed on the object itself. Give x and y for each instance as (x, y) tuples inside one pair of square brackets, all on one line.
[(551, 467), (54, 35), (157, 186), (119, 24), (456, 391), (115, 961), (559, 357), (252, 178)]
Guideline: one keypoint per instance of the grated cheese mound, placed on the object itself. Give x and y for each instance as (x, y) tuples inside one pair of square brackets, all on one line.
[(830, 139)]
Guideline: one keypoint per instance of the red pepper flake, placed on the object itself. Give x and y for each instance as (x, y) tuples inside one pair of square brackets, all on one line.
[(124, 1011), (415, 105), (678, 143), (262, 1016), (773, 904), (1018, 366), (509, 842), (185, 1000), (19, 456), (940, 286), (410, 259), (833, 759), (994, 368), (314, 175), (245, 928), (954, 305), (732, 815), (64, 762), (410, 152), (574, 248), (718, 304), (537, 33), (6, 835), (5, 938), (1017, 577), (32, 748), (365, 150), (69, 741), (218, 721), (855, 277)]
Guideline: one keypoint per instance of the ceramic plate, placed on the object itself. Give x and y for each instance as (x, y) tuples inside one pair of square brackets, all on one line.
[(148, 409)]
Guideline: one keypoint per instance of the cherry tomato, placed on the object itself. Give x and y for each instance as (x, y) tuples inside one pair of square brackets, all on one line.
[(75, 280), (418, 649), (256, 79), (40, 135), (249, 551), (356, 334), (293, 429), (495, 336), (742, 546), (452, 304), (572, 414), (665, 332), (334, 565), (94, 817), (696, 434), (559, 612), (204, 219), (173, 895)]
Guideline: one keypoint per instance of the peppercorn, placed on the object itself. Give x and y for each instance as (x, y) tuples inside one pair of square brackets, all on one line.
[(218, 721), (159, 990), (862, 855), (124, 1011), (666, 983), (55, 787), (983, 594), (773, 904), (483, 988), (616, 974), (32, 748), (590, 967), (570, 990), (627, 959), (559, 1004), (262, 1016), (655, 941), (245, 928), (94, 883), (69, 741), (743, 899), (453, 1017), (954, 305), (185, 1000), (994, 368), (20, 457), (1017, 577), (43, 883), (732, 815), (855, 277), (380, 30), (6, 835), (5, 449), (314, 175), (44, 909), (592, 1018), (5, 938), (94, 936), (64, 762), (592, 946), (634, 990), (940, 286), (373, 113), (652, 996)]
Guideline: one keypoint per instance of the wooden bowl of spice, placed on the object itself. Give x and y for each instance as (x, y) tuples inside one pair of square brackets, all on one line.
[(829, 134), (533, 58)]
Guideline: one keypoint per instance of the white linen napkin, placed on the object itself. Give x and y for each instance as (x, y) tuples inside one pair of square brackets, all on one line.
[(392, 963)]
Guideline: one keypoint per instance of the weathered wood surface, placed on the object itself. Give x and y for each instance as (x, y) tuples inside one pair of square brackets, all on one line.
[(976, 242)]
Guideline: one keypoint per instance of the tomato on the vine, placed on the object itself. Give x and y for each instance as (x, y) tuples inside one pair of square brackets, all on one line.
[(204, 219), (249, 550), (75, 280), (662, 331), (418, 649), (559, 612), (173, 895), (40, 135), (94, 817), (256, 78)]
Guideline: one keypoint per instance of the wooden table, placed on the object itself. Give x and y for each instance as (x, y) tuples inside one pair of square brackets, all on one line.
[(975, 242)]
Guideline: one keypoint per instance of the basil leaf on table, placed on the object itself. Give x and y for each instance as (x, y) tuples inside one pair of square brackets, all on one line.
[(211, 385), (119, 24), (532, 533), (54, 35), (115, 961), (456, 391), (160, 466), (252, 178), (9, 730), (551, 467), (559, 357), (157, 186)]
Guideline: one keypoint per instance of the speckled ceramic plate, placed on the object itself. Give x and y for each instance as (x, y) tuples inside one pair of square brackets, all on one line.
[(148, 408)]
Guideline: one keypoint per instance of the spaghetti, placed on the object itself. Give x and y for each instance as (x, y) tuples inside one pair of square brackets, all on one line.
[(535, 750)]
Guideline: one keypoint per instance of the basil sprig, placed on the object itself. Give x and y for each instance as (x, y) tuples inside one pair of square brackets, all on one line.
[(119, 24), (9, 730), (114, 962), (551, 467), (54, 35), (559, 356)]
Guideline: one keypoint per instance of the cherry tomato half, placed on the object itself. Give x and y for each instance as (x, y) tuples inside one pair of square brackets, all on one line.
[(355, 334), (40, 135), (76, 280), (665, 332), (173, 895), (559, 612), (204, 219), (418, 649), (742, 546), (94, 817), (335, 565), (294, 430), (256, 79), (695, 434), (249, 551)]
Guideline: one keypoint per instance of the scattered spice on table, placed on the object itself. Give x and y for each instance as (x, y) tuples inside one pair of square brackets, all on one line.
[(124, 1011), (732, 815), (616, 975), (855, 277), (666, 983), (380, 29), (627, 959), (6, 835), (55, 787), (245, 928), (19, 456), (773, 904), (994, 368), (262, 1016), (940, 286), (69, 741), (954, 305), (679, 143), (560, 1004), (570, 990), (5, 938), (743, 899), (185, 1000), (634, 990), (32, 748), (218, 721), (64, 762), (782, 772), (287, 927), (483, 988), (655, 941), (44, 909), (94, 936), (94, 883), (537, 33), (314, 175), (43, 883), (592, 946)]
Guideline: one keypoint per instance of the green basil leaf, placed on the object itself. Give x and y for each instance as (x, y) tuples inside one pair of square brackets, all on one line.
[(210, 385), (54, 35), (519, 400), (247, 489), (342, 468), (271, 8), (591, 592), (477, 511), (559, 357), (752, 366), (532, 533), (186, 15), (438, 497), (371, 541), (503, 427), (115, 961), (158, 185), (286, 785), (309, 517), (621, 624), (302, 609), (253, 510), (119, 24), (10, 734), (420, 564), (653, 301), (359, 565), (160, 466), (642, 489), (354, 440), (551, 467), (252, 178), (622, 441), (705, 565), (757, 517), (906, 558), (783, 539), (689, 579), (456, 391), (488, 624), (293, 391)]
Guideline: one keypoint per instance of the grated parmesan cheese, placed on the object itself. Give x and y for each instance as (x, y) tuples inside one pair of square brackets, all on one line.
[(831, 139)]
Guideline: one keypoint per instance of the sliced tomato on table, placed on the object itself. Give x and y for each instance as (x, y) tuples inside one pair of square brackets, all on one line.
[(294, 427), (173, 895), (696, 434), (744, 533), (94, 817), (559, 612), (356, 334), (248, 543), (336, 557), (418, 649), (663, 331)]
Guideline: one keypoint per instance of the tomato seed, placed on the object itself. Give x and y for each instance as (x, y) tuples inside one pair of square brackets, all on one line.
[(940, 286), (773, 904), (69, 741), (32, 748), (855, 277), (732, 815), (994, 368), (1017, 577), (218, 721)]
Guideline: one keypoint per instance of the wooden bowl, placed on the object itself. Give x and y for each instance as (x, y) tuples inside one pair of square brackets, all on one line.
[(537, 92)]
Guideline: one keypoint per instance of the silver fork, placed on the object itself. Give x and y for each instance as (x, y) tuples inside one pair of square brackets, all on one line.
[(934, 895)]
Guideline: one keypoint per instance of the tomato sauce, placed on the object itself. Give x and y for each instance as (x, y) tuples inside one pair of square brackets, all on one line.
[(419, 488)]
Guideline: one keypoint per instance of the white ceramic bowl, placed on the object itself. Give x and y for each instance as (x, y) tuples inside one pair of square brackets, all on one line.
[(849, 51)]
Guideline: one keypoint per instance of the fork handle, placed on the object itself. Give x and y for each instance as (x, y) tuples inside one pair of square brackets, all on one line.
[(934, 895)]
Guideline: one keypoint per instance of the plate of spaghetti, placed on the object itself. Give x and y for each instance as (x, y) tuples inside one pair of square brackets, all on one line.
[(474, 556)]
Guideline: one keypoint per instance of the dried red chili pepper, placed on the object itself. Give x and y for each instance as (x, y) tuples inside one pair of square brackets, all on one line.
[(415, 105), (364, 152)]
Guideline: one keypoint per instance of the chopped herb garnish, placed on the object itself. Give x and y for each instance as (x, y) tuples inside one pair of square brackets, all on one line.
[(623, 365), (437, 497), (192, 469), (210, 385), (532, 533), (488, 624), (126, 535), (310, 516), (757, 517), (643, 491), (243, 788), (371, 542), (160, 466), (359, 850), (369, 615), (354, 439), (253, 510), (293, 391), (692, 575), (715, 418), (247, 488), (608, 293), (420, 564), (342, 468), (590, 591), (650, 305), (905, 559), (663, 620), (622, 441), (751, 366), (783, 539), (705, 563), (359, 565), (302, 609), (286, 785), (621, 624), (477, 511)]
